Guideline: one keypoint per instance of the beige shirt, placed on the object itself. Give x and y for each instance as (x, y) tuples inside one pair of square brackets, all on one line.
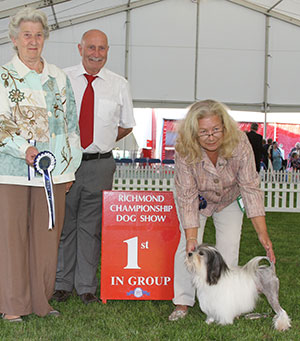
[(220, 185)]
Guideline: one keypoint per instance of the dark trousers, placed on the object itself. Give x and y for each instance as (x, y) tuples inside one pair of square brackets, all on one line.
[(79, 249)]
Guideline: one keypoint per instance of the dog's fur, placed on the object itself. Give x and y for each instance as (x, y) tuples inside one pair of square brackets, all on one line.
[(225, 293)]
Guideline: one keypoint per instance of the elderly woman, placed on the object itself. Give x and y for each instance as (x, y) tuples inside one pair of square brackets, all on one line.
[(37, 113), (214, 163)]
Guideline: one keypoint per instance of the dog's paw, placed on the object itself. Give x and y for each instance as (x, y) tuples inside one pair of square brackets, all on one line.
[(282, 321), (209, 320)]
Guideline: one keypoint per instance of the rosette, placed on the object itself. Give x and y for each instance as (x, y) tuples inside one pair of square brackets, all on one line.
[(202, 202), (44, 163)]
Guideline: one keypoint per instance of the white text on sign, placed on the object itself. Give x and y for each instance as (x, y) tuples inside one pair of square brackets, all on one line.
[(143, 218), (140, 280), (132, 252)]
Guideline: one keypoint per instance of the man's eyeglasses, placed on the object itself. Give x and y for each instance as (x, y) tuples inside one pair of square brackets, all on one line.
[(215, 132)]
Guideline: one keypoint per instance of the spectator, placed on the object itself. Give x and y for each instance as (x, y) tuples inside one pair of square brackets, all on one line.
[(266, 155), (294, 149), (295, 161), (276, 156), (111, 119), (256, 143), (37, 104), (284, 161)]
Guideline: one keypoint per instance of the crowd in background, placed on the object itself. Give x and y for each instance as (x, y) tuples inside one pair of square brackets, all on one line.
[(275, 154), (270, 155)]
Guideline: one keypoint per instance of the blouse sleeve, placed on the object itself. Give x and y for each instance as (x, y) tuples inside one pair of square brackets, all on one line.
[(10, 140), (186, 193)]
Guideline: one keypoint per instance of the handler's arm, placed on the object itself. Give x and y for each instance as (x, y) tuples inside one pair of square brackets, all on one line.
[(191, 238), (122, 132), (259, 223)]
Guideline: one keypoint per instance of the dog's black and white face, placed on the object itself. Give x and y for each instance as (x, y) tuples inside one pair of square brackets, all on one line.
[(207, 262)]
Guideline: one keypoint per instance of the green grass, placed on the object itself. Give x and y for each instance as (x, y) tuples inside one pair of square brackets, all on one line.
[(148, 320)]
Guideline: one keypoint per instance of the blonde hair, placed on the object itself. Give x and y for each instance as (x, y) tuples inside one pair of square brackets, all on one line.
[(27, 14), (188, 145)]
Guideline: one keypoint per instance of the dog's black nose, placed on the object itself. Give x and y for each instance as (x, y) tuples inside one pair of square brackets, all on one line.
[(190, 254)]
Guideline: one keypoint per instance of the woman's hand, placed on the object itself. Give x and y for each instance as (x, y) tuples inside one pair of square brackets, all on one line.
[(68, 186), (267, 244), (260, 226), (31, 153), (191, 244), (191, 239)]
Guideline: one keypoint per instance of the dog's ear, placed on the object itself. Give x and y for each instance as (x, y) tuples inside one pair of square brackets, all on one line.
[(215, 267)]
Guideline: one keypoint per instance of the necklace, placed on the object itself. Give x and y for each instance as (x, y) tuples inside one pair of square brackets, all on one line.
[(41, 67)]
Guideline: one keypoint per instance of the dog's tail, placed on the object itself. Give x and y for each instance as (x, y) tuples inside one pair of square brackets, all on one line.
[(253, 264), (281, 320)]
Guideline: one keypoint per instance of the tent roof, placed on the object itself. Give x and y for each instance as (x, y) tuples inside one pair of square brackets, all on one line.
[(64, 13), (68, 12), (287, 10), (223, 40)]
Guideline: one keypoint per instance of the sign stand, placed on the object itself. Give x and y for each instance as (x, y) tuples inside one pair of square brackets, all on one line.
[(140, 235)]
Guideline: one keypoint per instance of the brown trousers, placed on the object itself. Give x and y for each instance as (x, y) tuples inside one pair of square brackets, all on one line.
[(28, 250)]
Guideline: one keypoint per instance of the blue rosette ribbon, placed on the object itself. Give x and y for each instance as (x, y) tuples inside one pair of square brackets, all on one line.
[(44, 163), (202, 202)]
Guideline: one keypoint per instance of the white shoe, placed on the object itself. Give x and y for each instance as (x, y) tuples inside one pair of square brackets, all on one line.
[(178, 314), (15, 319)]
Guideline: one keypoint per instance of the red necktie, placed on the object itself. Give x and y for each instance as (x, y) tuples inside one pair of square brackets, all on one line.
[(86, 118)]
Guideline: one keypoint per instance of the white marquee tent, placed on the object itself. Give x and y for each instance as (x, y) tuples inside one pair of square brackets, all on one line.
[(245, 53)]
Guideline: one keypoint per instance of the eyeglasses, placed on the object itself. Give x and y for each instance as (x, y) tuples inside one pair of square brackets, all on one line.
[(215, 132)]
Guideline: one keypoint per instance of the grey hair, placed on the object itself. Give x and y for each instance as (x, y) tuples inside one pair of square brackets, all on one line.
[(27, 14)]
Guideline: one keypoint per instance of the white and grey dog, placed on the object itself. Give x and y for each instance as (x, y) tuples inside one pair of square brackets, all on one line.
[(225, 293)]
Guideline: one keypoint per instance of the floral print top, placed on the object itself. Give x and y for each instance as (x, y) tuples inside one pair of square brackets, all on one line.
[(38, 109)]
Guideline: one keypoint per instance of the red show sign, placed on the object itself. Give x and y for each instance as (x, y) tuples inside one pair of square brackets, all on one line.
[(140, 234)]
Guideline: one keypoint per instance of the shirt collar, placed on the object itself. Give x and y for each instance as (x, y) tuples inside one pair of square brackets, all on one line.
[(208, 164), (81, 71), (23, 70)]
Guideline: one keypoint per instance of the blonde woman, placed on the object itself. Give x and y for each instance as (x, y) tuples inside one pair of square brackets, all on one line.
[(214, 166)]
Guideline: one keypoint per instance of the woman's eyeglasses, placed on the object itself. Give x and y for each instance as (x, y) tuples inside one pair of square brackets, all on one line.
[(215, 132)]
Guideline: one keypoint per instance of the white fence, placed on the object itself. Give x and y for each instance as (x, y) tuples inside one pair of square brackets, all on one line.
[(282, 189), (149, 177)]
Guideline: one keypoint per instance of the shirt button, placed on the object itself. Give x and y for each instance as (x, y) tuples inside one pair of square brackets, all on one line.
[(218, 194), (49, 113), (53, 135), (216, 181)]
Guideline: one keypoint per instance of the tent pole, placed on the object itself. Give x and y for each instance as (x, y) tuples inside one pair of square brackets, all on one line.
[(196, 51), (127, 40), (266, 74)]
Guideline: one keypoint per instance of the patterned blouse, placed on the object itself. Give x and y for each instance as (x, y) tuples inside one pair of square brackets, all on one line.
[(39, 108), (220, 185)]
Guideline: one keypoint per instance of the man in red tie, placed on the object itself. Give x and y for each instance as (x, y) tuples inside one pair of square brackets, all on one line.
[(104, 105)]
